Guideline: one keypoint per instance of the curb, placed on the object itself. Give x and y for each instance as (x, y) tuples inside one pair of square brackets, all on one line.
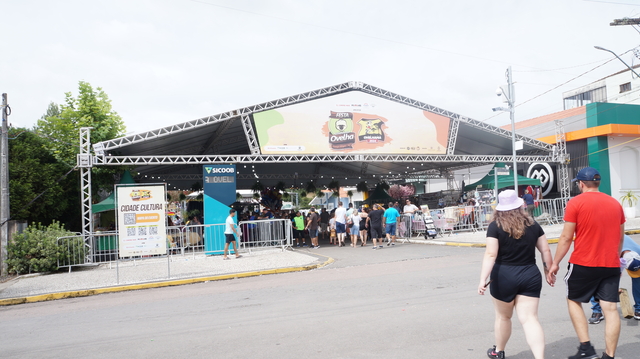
[(168, 283)]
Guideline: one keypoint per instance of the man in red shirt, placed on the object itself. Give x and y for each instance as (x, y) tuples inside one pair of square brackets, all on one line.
[(597, 220)]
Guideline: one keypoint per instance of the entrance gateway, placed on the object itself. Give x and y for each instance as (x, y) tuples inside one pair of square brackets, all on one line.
[(379, 135)]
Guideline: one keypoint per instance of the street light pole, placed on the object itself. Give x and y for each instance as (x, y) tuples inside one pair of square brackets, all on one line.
[(614, 54), (510, 96)]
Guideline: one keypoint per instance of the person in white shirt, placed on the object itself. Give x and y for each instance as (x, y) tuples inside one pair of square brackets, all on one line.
[(230, 229), (409, 208)]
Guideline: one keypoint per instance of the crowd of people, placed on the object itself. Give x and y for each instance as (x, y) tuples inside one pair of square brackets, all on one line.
[(594, 225), (355, 225)]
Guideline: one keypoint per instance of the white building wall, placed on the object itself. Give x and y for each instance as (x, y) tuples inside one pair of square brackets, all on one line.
[(624, 165)]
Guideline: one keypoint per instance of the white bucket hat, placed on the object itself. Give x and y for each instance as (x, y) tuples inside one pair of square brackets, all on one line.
[(508, 200)]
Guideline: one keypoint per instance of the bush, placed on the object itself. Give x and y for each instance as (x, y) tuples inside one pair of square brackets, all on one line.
[(36, 249)]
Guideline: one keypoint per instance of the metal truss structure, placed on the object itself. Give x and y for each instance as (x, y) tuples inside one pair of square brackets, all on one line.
[(562, 157), (209, 159), (84, 161)]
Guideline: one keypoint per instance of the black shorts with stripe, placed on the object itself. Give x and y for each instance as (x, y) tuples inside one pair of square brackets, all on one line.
[(584, 282)]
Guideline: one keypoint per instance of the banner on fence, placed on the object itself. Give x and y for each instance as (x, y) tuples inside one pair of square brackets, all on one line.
[(140, 211)]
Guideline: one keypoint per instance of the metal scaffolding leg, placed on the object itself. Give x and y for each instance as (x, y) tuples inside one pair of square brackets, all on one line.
[(85, 163), (563, 159)]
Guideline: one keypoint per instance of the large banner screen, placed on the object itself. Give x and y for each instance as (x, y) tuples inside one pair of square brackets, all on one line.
[(141, 220), (353, 122)]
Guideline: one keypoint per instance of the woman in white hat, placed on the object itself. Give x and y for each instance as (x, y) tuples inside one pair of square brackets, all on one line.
[(509, 268)]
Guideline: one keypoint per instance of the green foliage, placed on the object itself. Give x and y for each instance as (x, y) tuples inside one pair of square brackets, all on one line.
[(630, 198), (33, 170), (92, 108), (55, 154), (310, 187), (37, 250)]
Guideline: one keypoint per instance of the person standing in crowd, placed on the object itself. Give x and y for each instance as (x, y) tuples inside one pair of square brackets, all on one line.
[(324, 223), (391, 220), (349, 223), (298, 229), (528, 200), (375, 223), (597, 221), (266, 214), (333, 239), (312, 226), (341, 223), (364, 215), (355, 227), (230, 229), (409, 208), (509, 267)]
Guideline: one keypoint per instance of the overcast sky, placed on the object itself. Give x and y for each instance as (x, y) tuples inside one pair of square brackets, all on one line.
[(169, 61)]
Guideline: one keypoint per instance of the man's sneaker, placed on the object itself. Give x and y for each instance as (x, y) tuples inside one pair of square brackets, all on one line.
[(316, 247), (304, 244), (606, 356), (636, 315), (298, 245), (492, 353), (585, 353), (596, 318), (375, 247)]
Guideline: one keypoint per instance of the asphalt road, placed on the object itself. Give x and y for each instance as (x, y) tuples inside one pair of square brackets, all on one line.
[(407, 301)]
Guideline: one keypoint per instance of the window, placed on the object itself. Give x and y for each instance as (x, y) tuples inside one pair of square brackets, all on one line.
[(581, 99), (625, 87)]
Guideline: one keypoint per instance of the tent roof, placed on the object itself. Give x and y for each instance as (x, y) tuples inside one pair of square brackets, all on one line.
[(488, 181), (176, 154), (109, 203)]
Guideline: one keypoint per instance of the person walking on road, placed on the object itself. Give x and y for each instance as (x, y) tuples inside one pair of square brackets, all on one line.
[(391, 220), (230, 229), (597, 221), (509, 268)]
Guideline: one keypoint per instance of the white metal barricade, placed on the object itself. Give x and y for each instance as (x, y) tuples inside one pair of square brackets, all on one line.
[(266, 233)]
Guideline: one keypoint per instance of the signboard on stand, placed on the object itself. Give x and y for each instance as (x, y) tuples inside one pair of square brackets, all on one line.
[(219, 193), (140, 211)]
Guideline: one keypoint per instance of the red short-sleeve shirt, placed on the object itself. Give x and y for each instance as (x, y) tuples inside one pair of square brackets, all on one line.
[(598, 217)]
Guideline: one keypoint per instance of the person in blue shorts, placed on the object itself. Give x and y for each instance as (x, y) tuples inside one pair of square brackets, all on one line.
[(391, 220)]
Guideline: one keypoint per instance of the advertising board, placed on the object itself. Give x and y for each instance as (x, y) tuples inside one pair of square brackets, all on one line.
[(352, 122), (141, 220)]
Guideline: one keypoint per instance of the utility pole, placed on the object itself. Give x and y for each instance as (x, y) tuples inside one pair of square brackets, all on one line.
[(510, 99), (4, 185)]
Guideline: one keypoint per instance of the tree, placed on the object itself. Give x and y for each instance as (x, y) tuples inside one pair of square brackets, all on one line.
[(35, 172), (60, 125), (92, 108)]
